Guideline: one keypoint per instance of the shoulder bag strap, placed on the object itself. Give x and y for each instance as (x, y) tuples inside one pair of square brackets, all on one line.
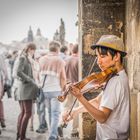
[(44, 81)]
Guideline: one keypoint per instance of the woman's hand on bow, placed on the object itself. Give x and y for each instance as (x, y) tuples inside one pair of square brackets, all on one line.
[(68, 117)]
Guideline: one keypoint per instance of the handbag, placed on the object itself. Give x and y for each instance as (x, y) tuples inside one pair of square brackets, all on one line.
[(40, 95), (7, 89)]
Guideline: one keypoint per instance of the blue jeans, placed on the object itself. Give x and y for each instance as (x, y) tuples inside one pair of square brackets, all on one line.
[(41, 110), (41, 115), (54, 110)]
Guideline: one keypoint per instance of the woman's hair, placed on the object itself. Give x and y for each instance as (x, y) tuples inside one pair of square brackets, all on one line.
[(30, 46), (104, 51)]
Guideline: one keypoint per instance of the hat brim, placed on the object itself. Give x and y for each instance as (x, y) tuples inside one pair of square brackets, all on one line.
[(95, 46)]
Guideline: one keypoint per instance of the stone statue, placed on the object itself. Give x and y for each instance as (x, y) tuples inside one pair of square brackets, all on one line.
[(56, 36), (62, 32)]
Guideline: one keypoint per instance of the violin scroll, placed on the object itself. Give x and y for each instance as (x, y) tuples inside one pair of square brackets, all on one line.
[(62, 98)]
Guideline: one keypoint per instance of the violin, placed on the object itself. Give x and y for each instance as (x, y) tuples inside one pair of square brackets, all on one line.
[(95, 79)]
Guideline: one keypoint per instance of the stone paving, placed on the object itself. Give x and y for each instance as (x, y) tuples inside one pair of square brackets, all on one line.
[(11, 113)]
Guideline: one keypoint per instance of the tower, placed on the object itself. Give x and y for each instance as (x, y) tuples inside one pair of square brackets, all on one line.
[(30, 35), (38, 33)]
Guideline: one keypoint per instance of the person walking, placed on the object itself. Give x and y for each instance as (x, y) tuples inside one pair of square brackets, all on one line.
[(111, 108), (26, 89), (3, 78), (64, 52), (53, 67), (40, 101), (72, 77)]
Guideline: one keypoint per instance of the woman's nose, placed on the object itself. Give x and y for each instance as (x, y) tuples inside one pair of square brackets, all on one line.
[(99, 60)]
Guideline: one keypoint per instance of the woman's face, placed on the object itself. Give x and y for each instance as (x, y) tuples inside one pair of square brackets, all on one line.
[(31, 52), (105, 61)]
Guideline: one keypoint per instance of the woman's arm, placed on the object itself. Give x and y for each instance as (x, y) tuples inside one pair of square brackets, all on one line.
[(100, 114), (20, 71), (81, 109)]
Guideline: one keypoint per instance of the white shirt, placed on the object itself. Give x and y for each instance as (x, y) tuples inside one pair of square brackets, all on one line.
[(52, 83), (115, 97)]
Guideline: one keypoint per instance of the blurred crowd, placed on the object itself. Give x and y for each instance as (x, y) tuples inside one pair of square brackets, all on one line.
[(36, 78)]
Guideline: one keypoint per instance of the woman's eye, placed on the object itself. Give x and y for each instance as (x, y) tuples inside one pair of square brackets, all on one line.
[(102, 56)]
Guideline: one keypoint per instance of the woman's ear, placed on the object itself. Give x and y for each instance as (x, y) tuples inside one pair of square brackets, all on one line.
[(117, 57)]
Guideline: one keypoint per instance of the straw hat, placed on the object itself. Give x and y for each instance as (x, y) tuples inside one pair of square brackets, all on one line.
[(110, 41)]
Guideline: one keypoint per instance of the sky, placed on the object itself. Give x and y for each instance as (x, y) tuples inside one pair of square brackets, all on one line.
[(17, 15)]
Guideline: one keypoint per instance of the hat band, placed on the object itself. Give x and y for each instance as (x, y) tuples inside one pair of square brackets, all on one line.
[(112, 46)]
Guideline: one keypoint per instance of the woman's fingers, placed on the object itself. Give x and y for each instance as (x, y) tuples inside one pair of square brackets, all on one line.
[(75, 91), (67, 117)]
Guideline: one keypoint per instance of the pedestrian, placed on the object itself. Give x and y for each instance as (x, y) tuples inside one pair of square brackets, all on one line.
[(53, 67), (40, 102), (26, 89), (35, 70), (72, 72), (111, 108), (70, 46), (10, 60), (41, 111), (64, 52), (3, 79)]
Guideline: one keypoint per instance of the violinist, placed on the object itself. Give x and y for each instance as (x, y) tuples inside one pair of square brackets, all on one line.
[(111, 108)]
